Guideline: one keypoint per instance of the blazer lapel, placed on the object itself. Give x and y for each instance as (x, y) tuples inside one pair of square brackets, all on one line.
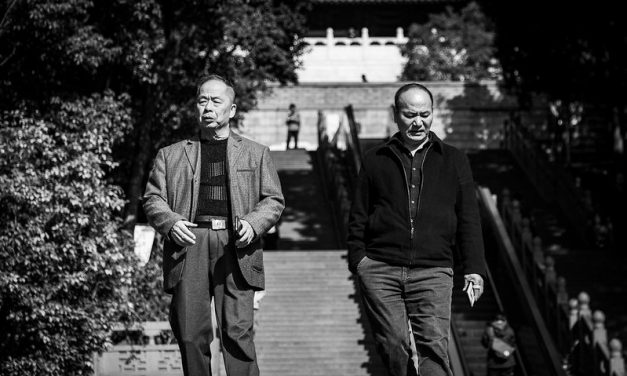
[(192, 152), (233, 149), (233, 153)]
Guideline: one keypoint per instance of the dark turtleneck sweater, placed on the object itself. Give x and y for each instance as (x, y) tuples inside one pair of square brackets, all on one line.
[(213, 194)]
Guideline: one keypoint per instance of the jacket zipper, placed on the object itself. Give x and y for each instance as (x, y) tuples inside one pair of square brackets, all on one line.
[(411, 221), (422, 180)]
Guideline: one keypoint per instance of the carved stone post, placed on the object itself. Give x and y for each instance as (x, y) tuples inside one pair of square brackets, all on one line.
[(550, 275), (562, 293), (599, 333), (538, 251), (617, 363), (504, 202), (573, 312)]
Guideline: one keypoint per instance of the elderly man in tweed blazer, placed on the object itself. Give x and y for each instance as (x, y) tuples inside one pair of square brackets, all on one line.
[(213, 197)]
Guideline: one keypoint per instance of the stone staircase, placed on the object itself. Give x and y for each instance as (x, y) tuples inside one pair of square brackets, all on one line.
[(309, 320), (307, 221)]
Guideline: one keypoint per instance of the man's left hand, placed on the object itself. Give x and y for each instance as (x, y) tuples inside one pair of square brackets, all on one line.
[(477, 282), (246, 235)]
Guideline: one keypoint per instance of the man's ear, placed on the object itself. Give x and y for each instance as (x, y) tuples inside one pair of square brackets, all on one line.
[(394, 114), (233, 111)]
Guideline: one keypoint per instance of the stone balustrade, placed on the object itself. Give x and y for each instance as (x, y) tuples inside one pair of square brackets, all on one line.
[(362, 40), (579, 332)]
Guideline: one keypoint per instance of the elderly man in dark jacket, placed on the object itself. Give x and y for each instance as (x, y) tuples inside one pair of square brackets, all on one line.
[(414, 203)]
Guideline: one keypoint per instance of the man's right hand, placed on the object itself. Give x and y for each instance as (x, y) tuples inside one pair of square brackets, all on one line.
[(181, 235)]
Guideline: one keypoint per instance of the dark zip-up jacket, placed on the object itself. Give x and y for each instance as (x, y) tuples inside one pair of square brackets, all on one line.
[(380, 226)]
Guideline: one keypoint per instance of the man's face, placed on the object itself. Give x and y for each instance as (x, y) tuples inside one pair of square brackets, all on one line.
[(215, 105), (414, 116)]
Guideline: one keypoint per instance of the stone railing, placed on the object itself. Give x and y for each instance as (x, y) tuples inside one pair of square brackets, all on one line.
[(339, 155), (354, 40), (332, 162), (556, 184), (579, 334), (147, 348)]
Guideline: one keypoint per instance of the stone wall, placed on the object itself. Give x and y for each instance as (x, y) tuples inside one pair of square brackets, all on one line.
[(464, 114)]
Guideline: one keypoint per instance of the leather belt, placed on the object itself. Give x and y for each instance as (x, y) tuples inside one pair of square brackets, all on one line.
[(213, 222)]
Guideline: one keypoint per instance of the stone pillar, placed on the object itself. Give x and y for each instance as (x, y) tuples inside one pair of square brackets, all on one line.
[(617, 362), (599, 333), (399, 34), (330, 37), (584, 304)]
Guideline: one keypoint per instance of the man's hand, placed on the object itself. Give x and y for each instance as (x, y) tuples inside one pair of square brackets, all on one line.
[(245, 234), (477, 285), (181, 235)]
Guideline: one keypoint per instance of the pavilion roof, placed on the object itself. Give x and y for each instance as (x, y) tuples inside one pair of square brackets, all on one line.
[(383, 1)]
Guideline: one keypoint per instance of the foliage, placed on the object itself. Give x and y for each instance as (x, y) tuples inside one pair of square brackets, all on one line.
[(66, 264), (153, 50), (112, 81), (573, 52), (455, 46)]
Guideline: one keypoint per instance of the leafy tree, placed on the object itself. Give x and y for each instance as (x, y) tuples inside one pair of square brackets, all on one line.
[(570, 51), (89, 90), (66, 264), (454, 46), (575, 54), (153, 50)]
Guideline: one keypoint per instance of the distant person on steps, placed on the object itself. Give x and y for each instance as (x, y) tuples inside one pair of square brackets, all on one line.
[(293, 126)]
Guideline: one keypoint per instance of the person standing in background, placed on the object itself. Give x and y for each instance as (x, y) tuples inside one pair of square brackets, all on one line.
[(500, 363), (293, 126)]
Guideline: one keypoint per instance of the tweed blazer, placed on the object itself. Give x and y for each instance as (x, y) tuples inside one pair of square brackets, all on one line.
[(255, 196)]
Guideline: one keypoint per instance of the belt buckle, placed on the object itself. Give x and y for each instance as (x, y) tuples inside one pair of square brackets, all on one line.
[(218, 224)]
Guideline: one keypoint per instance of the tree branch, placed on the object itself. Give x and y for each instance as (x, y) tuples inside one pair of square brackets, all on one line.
[(6, 60), (5, 16)]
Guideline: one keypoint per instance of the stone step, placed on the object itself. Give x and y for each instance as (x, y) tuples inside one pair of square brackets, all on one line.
[(309, 322)]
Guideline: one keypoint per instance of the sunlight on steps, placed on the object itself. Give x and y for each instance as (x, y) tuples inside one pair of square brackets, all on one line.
[(309, 318)]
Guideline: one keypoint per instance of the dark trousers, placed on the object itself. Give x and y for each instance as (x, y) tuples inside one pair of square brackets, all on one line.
[(290, 135), (211, 269), (393, 295)]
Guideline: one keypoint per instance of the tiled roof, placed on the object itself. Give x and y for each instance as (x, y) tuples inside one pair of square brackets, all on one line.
[(384, 1)]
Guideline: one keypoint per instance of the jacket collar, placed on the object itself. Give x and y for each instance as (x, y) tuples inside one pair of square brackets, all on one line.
[(192, 150)]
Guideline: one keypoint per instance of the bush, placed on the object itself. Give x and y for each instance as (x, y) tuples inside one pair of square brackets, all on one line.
[(67, 267)]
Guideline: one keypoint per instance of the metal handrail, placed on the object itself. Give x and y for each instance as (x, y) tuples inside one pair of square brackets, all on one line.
[(488, 205)]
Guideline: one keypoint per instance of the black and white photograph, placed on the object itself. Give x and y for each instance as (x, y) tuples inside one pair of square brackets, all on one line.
[(313, 188)]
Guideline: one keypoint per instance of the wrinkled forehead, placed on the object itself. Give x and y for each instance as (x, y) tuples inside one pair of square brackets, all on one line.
[(415, 99), (216, 88)]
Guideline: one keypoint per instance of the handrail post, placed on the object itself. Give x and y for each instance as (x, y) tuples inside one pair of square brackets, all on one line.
[(538, 251), (561, 304), (617, 362)]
